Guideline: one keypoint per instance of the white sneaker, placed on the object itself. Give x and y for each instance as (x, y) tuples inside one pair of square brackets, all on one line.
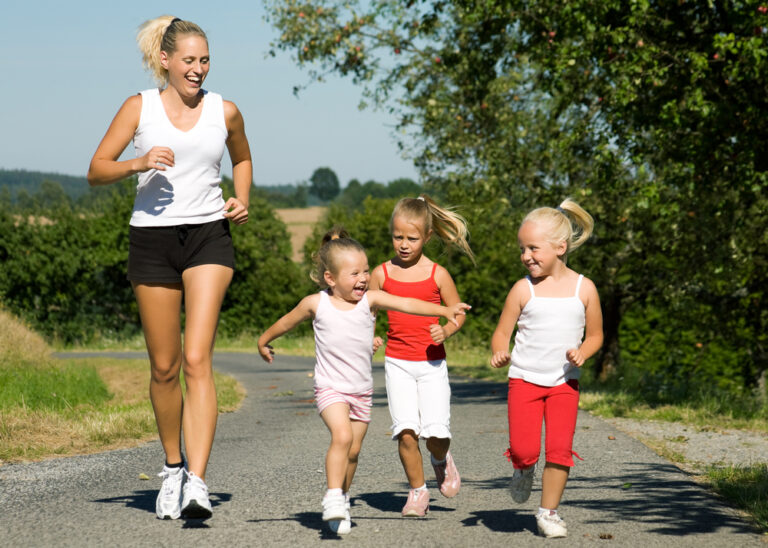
[(522, 482), (551, 525), (195, 503), (168, 504), (334, 507), (341, 526)]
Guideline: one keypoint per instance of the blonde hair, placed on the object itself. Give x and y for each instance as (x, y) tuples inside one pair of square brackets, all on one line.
[(568, 222), (335, 241), (449, 226), (161, 34)]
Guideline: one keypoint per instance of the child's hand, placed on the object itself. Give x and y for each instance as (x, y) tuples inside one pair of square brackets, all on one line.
[(455, 310), (267, 353), (377, 342), (500, 359), (437, 333), (575, 356)]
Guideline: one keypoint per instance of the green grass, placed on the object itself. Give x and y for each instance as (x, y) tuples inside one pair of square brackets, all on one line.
[(746, 487), (51, 386)]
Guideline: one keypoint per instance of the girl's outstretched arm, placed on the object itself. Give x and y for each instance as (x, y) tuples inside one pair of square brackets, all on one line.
[(383, 300), (377, 281), (450, 296), (593, 332), (506, 326), (303, 311)]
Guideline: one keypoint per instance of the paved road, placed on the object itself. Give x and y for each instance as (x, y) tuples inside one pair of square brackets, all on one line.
[(266, 479)]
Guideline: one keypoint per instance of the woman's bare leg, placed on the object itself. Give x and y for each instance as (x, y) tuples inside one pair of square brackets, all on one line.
[(204, 290), (159, 309)]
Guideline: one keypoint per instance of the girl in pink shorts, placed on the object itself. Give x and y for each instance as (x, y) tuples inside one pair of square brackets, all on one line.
[(343, 318), (553, 308)]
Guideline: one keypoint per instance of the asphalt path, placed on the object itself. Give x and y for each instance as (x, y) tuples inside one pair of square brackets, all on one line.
[(266, 478)]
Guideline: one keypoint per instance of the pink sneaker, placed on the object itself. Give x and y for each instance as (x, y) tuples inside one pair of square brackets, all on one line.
[(417, 504), (447, 476)]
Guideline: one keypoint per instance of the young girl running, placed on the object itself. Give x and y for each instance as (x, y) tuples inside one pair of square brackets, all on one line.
[(343, 318), (552, 308), (416, 372)]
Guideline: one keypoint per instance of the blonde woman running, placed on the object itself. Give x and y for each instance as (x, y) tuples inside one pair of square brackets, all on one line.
[(180, 243)]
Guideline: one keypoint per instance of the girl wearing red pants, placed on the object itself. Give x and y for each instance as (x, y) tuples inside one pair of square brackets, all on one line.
[(553, 308)]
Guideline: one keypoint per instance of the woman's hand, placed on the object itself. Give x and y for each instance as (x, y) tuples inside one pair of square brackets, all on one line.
[(437, 332), (236, 211), (159, 158), (500, 359)]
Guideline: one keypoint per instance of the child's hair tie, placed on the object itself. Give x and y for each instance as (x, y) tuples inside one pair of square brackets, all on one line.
[(560, 209), (421, 198)]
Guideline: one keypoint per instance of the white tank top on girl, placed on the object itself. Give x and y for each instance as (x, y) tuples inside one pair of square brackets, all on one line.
[(344, 346), (188, 192), (547, 328)]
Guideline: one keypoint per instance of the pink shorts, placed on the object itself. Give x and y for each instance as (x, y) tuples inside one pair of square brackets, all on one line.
[(359, 404), (527, 405)]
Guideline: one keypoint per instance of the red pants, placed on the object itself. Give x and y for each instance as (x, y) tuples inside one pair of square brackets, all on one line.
[(527, 404)]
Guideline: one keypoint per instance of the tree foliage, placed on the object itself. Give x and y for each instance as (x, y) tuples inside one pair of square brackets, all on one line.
[(64, 272), (324, 183), (650, 114)]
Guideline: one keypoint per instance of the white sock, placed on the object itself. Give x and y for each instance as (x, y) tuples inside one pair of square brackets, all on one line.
[(543, 511), (334, 492), (422, 488)]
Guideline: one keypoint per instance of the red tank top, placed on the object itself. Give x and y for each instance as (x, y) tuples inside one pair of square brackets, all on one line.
[(408, 336)]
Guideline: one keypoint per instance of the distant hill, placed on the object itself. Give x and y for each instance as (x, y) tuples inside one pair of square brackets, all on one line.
[(19, 179)]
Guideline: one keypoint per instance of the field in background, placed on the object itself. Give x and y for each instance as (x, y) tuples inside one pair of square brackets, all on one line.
[(300, 222)]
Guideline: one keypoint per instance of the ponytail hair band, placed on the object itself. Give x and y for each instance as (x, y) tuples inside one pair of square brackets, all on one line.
[(174, 20)]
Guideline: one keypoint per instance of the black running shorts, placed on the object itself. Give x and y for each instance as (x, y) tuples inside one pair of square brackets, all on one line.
[(160, 254)]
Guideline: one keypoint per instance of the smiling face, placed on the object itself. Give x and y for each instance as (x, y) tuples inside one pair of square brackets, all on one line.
[(540, 256), (408, 238), (350, 280), (187, 66)]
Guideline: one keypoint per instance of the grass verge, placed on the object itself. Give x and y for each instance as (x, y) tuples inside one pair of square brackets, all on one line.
[(40, 423), (746, 487)]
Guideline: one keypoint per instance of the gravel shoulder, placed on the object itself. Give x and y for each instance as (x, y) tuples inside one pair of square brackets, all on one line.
[(693, 448)]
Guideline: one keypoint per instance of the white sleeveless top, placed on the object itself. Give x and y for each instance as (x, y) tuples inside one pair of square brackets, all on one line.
[(344, 346), (188, 192), (547, 328)]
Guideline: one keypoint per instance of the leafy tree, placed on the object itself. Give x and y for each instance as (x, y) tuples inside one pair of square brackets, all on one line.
[(650, 114), (324, 183)]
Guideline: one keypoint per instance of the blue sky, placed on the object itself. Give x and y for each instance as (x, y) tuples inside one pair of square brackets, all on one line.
[(68, 66)]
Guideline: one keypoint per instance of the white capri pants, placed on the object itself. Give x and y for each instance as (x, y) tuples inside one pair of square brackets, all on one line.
[(419, 397)]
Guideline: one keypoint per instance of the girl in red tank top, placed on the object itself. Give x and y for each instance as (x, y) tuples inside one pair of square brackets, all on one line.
[(418, 391)]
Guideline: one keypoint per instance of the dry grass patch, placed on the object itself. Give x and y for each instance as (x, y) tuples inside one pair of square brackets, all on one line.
[(19, 344), (300, 223)]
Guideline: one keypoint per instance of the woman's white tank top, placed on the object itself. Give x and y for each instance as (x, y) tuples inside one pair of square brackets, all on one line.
[(343, 346), (188, 192), (547, 328)]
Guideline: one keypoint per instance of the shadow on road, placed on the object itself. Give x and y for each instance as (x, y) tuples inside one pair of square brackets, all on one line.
[(390, 501), (503, 521), (145, 500), (654, 493), (309, 520)]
